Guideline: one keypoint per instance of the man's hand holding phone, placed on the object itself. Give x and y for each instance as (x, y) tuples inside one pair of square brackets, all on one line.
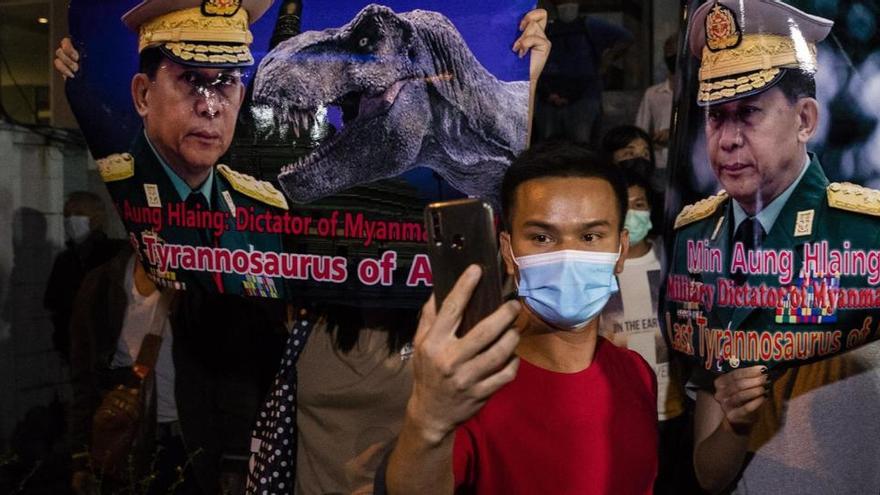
[(454, 376)]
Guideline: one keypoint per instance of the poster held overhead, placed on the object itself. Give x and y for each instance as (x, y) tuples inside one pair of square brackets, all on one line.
[(780, 266), (329, 148)]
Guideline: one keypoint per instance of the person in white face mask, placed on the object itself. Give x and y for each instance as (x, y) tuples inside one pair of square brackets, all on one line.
[(532, 399), (87, 248)]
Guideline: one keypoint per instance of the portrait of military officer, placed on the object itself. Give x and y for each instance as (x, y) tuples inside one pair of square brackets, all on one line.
[(168, 187), (773, 411), (739, 255)]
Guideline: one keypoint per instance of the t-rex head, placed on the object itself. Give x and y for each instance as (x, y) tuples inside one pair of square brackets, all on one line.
[(380, 69)]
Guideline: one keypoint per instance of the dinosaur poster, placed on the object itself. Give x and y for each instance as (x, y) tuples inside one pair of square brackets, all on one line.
[(773, 248), (348, 126)]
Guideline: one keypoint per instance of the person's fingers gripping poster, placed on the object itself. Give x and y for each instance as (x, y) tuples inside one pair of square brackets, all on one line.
[(774, 251), (266, 149)]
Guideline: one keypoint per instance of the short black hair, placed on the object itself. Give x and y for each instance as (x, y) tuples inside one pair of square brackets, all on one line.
[(561, 159), (796, 84), (634, 177), (149, 61), (619, 137)]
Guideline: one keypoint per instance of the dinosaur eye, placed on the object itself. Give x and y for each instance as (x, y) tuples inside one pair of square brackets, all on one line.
[(363, 42)]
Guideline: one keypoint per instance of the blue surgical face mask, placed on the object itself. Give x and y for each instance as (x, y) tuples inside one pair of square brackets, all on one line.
[(569, 288), (638, 224)]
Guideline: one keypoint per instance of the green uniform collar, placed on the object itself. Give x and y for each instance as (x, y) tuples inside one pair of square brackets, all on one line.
[(768, 215), (182, 188)]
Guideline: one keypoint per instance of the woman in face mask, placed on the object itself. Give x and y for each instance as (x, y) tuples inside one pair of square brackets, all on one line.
[(638, 216), (627, 142), (630, 320)]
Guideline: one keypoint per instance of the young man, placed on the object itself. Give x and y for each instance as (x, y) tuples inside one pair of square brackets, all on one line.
[(532, 400), (801, 434)]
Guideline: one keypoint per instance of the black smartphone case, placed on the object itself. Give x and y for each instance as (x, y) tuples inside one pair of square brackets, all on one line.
[(462, 233)]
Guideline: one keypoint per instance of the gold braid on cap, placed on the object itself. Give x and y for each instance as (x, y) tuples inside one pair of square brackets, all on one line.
[(751, 65), (757, 52), (728, 88), (190, 25), (213, 54)]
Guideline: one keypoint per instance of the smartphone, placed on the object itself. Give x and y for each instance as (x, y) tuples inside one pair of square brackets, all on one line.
[(462, 233)]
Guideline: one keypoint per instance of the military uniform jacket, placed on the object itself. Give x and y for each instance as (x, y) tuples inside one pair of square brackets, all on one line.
[(770, 319), (153, 212)]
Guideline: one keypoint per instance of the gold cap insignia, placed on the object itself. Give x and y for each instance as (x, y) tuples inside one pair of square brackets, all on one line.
[(257, 189), (225, 8), (851, 197), (722, 30), (700, 210), (745, 46), (118, 166)]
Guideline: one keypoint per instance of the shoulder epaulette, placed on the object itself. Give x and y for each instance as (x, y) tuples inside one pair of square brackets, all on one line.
[(700, 210), (117, 166), (257, 189), (851, 197)]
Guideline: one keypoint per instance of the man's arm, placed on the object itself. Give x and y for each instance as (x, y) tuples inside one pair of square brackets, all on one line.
[(723, 422), (452, 379)]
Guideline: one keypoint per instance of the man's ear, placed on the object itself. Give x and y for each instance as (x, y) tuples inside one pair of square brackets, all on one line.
[(624, 249), (140, 86), (507, 253), (808, 118)]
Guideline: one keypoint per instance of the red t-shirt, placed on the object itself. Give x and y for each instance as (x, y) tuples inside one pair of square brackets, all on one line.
[(594, 431)]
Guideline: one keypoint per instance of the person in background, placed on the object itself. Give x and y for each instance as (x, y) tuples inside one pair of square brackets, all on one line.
[(116, 307), (626, 142), (655, 110), (628, 145), (206, 376), (630, 321), (569, 98), (87, 247)]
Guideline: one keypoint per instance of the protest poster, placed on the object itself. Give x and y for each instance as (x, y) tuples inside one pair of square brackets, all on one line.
[(346, 130), (773, 234)]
